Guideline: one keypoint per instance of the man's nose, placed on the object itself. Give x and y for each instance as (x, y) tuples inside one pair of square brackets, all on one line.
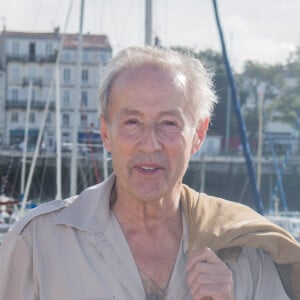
[(149, 141)]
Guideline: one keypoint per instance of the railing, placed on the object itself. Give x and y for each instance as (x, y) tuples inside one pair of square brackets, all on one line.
[(22, 104), (32, 58), (38, 81)]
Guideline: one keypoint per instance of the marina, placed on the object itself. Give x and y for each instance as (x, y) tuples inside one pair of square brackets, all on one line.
[(57, 151)]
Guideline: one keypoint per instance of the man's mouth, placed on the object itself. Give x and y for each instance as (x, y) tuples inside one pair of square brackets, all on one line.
[(148, 169)]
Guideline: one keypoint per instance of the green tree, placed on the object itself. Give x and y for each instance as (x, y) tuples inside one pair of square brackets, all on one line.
[(213, 60), (258, 82)]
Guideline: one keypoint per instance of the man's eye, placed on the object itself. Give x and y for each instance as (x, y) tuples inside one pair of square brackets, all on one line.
[(170, 123), (131, 122)]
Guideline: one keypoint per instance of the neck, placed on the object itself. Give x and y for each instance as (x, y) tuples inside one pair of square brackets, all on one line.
[(148, 216)]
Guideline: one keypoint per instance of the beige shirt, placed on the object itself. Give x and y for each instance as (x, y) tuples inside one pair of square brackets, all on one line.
[(75, 249)]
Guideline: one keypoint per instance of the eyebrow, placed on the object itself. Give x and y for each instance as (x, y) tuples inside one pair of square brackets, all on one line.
[(128, 111)]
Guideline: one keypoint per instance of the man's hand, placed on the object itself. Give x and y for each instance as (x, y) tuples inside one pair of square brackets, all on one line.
[(209, 277)]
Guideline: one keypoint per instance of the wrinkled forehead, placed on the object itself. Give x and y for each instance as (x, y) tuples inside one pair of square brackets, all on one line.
[(151, 73), (132, 81)]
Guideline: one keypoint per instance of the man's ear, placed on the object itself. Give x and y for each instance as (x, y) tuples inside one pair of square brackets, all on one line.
[(200, 135), (104, 131)]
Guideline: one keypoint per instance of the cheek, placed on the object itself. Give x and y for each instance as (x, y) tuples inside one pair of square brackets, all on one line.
[(191, 144), (182, 149)]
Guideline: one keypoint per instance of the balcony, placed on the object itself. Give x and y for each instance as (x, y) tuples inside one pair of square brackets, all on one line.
[(37, 81), (32, 58), (22, 104)]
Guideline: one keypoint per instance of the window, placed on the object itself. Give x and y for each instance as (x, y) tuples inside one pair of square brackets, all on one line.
[(32, 118), (85, 56), (15, 74), (15, 117), (96, 58), (66, 120), (66, 99), (33, 95), (48, 74), (15, 48), (84, 98), (15, 95), (50, 142), (48, 119), (65, 134), (31, 51), (66, 56), (49, 49), (67, 75), (31, 72), (85, 75), (83, 120)]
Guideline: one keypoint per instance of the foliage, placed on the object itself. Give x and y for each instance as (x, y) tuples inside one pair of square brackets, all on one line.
[(277, 86), (213, 61)]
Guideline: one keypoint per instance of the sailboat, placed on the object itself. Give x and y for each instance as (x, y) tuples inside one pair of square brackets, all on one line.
[(288, 220), (8, 214), (55, 84), (12, 210)]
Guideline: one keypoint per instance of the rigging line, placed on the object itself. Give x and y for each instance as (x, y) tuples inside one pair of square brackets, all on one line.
[(242, 128), (124, 27), (278, 171), (41, 131), (16, 175)]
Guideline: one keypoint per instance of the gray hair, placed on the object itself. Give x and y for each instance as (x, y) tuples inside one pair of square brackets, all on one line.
[(199, 85)]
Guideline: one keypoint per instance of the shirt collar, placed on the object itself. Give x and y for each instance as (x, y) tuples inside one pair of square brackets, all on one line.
[(90, 211)]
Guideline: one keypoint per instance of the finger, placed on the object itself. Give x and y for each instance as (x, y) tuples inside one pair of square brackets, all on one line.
[(208, 275), (206, 270), (210, 284), (223, 291), (196, 278), (206, 255)]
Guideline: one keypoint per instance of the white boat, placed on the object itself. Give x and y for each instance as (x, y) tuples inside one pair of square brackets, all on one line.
[(7, 214), (290, 221)]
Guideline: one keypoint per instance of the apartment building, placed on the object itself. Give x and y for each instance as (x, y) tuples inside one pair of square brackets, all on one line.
[(2, 105), (28, 61)]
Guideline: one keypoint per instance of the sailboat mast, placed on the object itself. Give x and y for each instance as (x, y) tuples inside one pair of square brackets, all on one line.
[(259, 139), (25, 142), (148, 22), (74, 157), (58, 133)]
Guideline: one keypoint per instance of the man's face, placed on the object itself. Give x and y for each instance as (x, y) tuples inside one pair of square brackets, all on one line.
[(150, 134)]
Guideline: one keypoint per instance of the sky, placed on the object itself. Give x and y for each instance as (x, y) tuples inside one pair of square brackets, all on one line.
[(266, 31)]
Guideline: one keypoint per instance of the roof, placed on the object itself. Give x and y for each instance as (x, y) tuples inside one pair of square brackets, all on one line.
[(89, 41), (30, 35)]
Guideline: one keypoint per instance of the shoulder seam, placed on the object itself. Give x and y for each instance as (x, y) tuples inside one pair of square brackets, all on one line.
[(42, 209)]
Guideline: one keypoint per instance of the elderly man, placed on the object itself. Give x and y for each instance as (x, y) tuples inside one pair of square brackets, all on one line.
[(142, 234)]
